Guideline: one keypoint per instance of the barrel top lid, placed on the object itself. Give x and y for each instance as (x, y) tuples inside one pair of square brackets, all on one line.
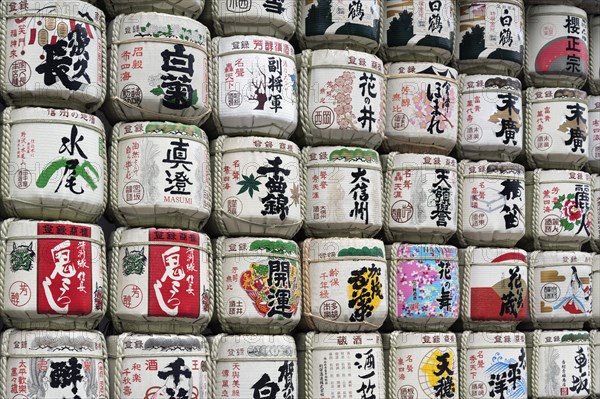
[(552, 175), (60, 9), (541, 10), (349, 58), (560, 338), (487, 167), (330, 341), (138, 235), (340, 248), (259, 246), (427, 69), (542, 94), (163, 344), (254, 43), (492, 82), (342, 155), (560, 258), (123, 129), (54, 343), (52, 116), (255, 348)]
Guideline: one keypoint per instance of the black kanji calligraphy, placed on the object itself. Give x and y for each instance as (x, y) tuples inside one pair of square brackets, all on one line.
[(360, 195), (66, 374), (276, 201)]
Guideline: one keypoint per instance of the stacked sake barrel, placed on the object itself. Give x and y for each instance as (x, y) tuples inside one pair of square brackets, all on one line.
[(53, 190)]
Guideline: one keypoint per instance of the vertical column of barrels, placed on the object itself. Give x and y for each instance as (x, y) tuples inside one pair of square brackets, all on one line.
[(53, 189), (160, 197)]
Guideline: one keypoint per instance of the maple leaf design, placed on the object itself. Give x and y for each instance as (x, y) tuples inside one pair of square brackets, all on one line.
[(295, 194), (250, 184)]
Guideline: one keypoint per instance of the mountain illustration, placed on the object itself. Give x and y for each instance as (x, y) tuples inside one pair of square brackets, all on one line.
[(501, 54), (473, 43), (400, 30), (319, 18)]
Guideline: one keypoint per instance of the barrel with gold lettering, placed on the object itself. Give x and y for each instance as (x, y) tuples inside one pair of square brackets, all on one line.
[(53, 54), (160, 175), (341, 98), (341, 363), (247, 364), (54, 275), (161, 279), (344, 284), (54, 364), (560, 364), (53, 164), (559, 213), (557, 52), (344, 191), (420, 365), (189, 8), (258, 285), (158, 69), (258, 187), (561, 289)]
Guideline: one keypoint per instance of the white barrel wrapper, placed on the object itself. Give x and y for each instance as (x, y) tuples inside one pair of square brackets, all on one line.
[(161, 280), (342, 98), (559, 212), (421, 365), (491, 203), (341, 365), (53, 364), (595, 321), (491, 37), (54, 275), (494, 288), (53, 164), (258, 284), (160, 175), (189, 8), (253, 86), (275, 18), (561, 289), (556, 52), (424, 287), (344, 192), (431, 33), (158, 69), (420, 198), (491, 118), (54, 54), (258, 187), (250, 364), (593, 130), (325, 24), (152, 366), (344, 284), (560, 364), (556, 128), (486, 359), (421, 108)]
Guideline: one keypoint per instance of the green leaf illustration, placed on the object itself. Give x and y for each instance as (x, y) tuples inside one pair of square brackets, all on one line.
[(250, 184), (567, 225), (570, 196), (194, 97), (157, 91)]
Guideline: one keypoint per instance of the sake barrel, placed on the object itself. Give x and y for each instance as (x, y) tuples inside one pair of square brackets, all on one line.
[(494, 289), (595, 357), (421, 108), (53, 364), (162, 281), (595, 321), (53, 164), (144, 86), (160, 175), (421, 365), (253, 87), (556, 53), (275, 18), (258, 285), (561, 294), (153, 366), (258, 187), (419, 30), (342, 98), (189, 8), (559, 213), (482, 357), (54, 275), (595, 228), (556, 128), (594, 50), (53, 54), (560, 364), (254, 364), (420, 198), (424, 287), (344, 190), (490, 124), (491, 37), (344, 284), (349, 365), (491, 198), (324, 24), (593, 128)]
